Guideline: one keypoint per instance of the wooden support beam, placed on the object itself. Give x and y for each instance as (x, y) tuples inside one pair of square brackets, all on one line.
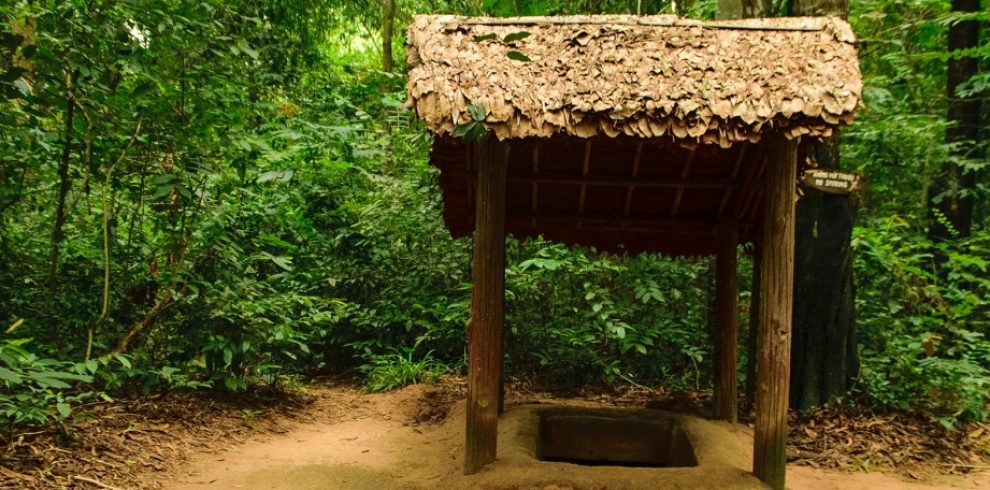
[(808, 24), (487, 295), (622, 181), (754, 322), (680, 188), (473, 173), (727, 327), (610, 219), (535, 204), (635, 174), (585, 167), (731, 193), (501, 359), (750, 193), (702, 231), (757, 199), (776, 303)]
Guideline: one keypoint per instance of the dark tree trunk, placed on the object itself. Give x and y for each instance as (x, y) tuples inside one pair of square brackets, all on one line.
[(63, 187), (951, 196), (824, 354)]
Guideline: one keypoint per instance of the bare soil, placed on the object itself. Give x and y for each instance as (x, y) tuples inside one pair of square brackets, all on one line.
[(412, 438), (335, 436), (130, 442)]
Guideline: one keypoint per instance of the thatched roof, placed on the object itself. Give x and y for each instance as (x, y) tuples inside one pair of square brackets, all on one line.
[(651, 76)]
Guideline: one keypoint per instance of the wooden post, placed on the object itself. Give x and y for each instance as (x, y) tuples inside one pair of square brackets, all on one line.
[(776, 294), (487, 293), (727, 325), (754, 325), (501, 341)]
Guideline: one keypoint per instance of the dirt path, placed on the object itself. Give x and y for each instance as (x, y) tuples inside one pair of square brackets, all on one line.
[(376, 442), (356, 441)]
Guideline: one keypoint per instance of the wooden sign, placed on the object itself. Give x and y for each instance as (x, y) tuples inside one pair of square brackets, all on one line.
[(831, 181)]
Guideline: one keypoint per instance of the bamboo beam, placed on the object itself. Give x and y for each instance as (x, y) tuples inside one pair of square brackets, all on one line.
[(680, 189), (584, 174), (757, 197), (776, 303), (654, 21), (487, 293), (613, 219), (735, 172), (635, 174), (535, 204), (622, 181), (727, 328), (750, 194), (699, 231), (472, 173)]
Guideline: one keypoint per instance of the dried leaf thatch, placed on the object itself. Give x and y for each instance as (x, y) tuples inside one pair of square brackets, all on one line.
[(651, 76)]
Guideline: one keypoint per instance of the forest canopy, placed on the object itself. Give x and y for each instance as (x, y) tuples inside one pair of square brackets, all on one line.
[(220, 195)]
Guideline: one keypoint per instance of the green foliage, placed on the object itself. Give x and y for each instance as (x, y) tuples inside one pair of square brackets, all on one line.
[(473, 131), (924, 336), (922, 320), (260, 200), (397, 369), (37, 390), (579, 316)]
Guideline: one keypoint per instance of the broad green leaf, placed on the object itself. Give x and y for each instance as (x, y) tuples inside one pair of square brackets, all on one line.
[(10, 376), (477, 112), (47, 381), (123, 360), (516, 55), (12, 74), (485, 37), (515, 36), (282, 175)]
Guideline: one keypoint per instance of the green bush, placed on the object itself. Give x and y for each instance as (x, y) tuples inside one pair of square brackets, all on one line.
[(37, 390), (923, 334), (394, 370)]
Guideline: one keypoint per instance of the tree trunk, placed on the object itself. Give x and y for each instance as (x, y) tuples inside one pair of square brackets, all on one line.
[(951, 196), (388, 24), (824, 354), (818, 8), (740, 9), (63, 187)]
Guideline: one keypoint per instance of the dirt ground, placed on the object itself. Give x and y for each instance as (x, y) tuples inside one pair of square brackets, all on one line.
[(331, 435), (412, 438)]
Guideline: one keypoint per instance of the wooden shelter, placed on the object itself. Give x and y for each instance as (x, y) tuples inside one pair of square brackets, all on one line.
[(632, 134)]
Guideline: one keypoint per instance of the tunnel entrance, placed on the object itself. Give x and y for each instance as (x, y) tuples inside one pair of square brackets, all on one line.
[(603, 438)]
